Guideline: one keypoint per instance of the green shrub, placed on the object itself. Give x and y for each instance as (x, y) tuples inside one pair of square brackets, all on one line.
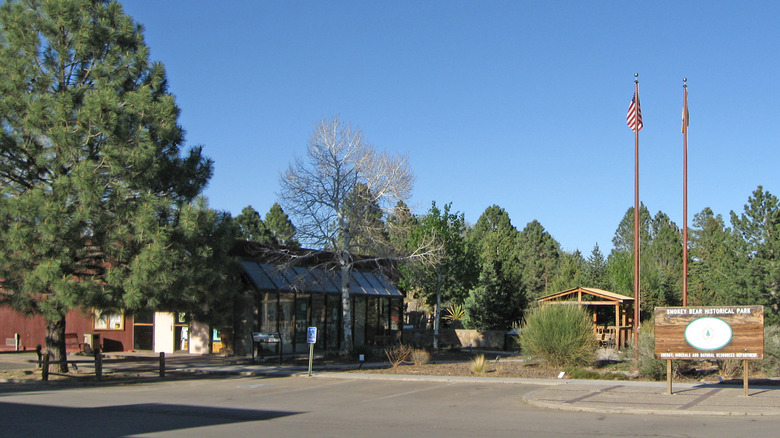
[(582, 374), (559, 335), (770, 364), (648, 366), (586, 374)]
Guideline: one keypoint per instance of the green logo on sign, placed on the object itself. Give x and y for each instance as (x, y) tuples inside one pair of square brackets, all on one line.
[(708, 333)]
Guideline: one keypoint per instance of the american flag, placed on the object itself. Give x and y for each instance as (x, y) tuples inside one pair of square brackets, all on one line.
[(634, 116)]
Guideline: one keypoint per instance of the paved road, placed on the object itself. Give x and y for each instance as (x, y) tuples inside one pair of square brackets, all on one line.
[(328, 407)]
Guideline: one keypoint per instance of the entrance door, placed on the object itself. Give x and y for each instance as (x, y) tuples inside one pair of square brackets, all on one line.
[(143, 330)]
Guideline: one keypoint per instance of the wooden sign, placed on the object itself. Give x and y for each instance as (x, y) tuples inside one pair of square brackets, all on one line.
[(709, 333)]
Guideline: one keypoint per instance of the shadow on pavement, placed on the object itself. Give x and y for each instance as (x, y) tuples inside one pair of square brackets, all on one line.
[(36, 420)]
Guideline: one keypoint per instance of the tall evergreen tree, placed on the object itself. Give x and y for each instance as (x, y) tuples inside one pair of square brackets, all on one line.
[(496, 303), (281, 227), (540, 254), (660, 260), (596, 270), (94, 190), (571, 272), (624, 235), (400, 224), (713, 261), (758, 230), (362, 211), (251, 227), (662, 264), (494, 238)]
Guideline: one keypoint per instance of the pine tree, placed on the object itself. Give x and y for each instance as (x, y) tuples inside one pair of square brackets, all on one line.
[(571, 272), (400, 225), (494, 237), (281, 227), (495, 304), (94, 191), (713, 258), (252, 228), (540, 255), (758, 233), (596, 270)]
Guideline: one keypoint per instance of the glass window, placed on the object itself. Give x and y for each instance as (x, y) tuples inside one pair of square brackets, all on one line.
[(372, 311), (301, 322), (104, 320), (286, 322), (360, 319), (395, 313), (333, 319), (384, 315), (268, 321)]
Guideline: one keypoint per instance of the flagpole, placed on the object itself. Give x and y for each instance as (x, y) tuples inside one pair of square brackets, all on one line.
[(685, 193), (636, 214)]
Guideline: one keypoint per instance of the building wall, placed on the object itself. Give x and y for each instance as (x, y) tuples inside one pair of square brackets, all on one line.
[(32, 330)]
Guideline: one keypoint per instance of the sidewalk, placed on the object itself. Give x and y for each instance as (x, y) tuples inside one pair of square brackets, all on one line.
[(634, 397), (652, 398)]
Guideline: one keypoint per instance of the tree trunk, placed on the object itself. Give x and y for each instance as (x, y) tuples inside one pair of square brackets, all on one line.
[(346, 326), (55, 342), (437, 312)]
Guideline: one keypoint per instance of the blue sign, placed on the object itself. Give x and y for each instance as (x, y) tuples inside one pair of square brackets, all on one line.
[(311, 335)]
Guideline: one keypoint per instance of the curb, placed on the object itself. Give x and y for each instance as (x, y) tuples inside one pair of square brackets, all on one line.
[(529, 400)]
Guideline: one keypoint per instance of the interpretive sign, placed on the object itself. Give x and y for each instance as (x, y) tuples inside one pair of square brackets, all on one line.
[(709, 333)]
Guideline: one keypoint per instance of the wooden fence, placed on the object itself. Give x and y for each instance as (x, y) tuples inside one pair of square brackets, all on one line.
[(99, 361)]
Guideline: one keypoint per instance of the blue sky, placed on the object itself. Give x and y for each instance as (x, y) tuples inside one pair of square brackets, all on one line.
[(518, 104)]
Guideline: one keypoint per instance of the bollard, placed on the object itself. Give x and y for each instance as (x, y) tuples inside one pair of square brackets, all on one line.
[(162, 364), (45, 367), (98, 365)]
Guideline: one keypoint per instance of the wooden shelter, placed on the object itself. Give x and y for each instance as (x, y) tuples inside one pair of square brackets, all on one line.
[(612, 323)]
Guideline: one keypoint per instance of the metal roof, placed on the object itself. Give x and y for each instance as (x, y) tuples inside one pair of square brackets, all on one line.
[(267, 277)]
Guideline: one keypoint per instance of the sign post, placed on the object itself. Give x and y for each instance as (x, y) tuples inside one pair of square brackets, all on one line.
[(311, 339), (709, 333)]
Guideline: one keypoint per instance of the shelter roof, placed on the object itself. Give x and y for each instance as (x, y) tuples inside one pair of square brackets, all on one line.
[(599, 293)]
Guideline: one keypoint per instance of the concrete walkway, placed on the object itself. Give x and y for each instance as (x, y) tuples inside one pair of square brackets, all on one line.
[(653, 398)]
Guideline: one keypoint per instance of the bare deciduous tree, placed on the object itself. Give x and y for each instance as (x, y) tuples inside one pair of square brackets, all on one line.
[(338, 196)]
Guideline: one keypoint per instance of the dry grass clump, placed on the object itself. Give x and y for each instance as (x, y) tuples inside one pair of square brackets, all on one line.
[(398, 354), (420, 356), (478, 365)]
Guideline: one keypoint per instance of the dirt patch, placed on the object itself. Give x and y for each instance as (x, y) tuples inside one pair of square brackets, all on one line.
[(511, 369)]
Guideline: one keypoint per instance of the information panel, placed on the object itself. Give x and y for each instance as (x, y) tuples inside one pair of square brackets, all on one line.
[(709, 333)]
